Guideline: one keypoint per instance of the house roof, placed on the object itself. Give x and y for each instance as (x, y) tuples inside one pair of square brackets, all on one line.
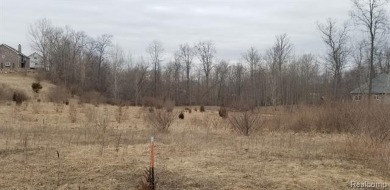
[(380, 85), (35, 53), (13, 49)]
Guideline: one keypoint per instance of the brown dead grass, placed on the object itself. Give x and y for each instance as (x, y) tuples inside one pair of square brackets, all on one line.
[(200, 152), (193, 155)]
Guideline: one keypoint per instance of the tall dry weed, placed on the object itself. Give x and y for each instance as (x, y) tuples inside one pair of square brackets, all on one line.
[(73, 112)]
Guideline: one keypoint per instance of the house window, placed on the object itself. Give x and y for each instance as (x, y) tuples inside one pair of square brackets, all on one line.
[(7, 64), (376, 97), (358, 98), (3, 56)]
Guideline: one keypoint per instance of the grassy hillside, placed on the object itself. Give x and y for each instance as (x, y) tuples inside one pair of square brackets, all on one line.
[(21, 81)]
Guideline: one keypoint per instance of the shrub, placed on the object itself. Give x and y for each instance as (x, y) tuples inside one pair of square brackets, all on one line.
[(303, 123), (74, 90), (19, 97), (339, 118), (169, 105), (372, 121), (181, 115), (152, 102), (243, 122), (92, 97), (36, 87), (202, 109), (161, 119), (223, 112), (377, 124), (58, 95), (148, 101), (113, 102)]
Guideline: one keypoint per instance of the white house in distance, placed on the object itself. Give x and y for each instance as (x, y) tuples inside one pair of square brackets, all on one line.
[(36, 61)]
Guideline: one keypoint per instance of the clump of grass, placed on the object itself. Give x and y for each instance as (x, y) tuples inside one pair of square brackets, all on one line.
[(102, 127), (5, 92), (118, 143), (119, 116), (35, 107), (19, 97), (147, 182), (90, 113), (73, 113)]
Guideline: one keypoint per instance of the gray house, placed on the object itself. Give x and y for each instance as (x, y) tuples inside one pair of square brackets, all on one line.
[(12, 58), (380, 89)]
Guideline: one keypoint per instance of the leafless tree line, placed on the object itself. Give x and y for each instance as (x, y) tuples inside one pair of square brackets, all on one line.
[(194, 75)]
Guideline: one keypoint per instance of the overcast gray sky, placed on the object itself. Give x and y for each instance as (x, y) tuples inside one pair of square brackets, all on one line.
[(233, 25)]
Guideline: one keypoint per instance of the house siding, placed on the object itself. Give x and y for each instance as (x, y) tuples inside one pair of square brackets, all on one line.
[(382, 98), (35, 61), (9, 56)]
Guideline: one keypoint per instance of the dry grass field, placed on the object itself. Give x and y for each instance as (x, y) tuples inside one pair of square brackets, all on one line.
[(82, 146)]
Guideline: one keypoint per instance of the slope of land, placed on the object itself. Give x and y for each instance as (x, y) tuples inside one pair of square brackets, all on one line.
[(41, 148)]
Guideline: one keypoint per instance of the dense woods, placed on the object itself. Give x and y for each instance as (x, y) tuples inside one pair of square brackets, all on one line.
[(195, 75)]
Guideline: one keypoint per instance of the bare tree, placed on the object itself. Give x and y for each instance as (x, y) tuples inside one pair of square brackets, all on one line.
[(305, 89), (336, 40), (206, 52), (141, 73), (383, 58), (39, 35), (186, 54), (279, 55), (176, 72), (253, 58), (117, 61), (372, 17), (102, 43), (221, 72), (155, 51), (387, 59), (238, 73)]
